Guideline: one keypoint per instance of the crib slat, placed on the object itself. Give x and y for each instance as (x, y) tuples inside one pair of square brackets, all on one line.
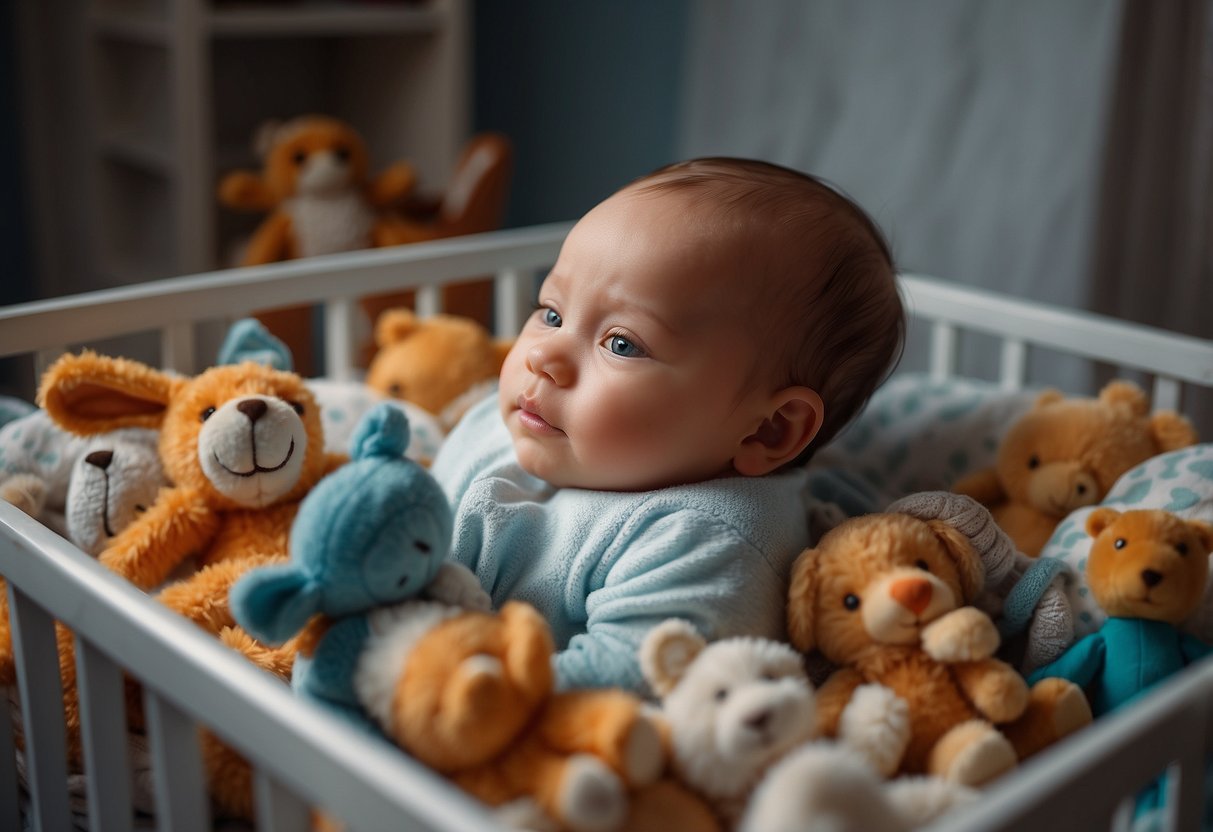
[(1167, 393), (1013, 364), (181, 800), (943, 351), (34, 649), (10, 813), (45, 358), (429, 300), (339, 338), (513, 300), (277, 809), (103, 731), (177, 347)]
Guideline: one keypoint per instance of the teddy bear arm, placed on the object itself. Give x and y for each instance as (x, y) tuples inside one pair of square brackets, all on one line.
[(392, 185), (1192, 648), (270, 242), (993, 687), (983, 486), (963, 635), (832, 699), (1081, 664), (177, 525), (244, 190)]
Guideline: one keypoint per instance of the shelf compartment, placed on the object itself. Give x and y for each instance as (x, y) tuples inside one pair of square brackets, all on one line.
[(137, 151), (133, 27)]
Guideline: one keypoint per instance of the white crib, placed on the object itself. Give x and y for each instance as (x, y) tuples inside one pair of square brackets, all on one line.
[(305, 758)]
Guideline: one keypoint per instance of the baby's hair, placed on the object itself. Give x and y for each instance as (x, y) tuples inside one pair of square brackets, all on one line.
[(840, 296)]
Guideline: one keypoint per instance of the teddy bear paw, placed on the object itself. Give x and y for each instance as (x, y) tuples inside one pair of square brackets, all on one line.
[(963, 635), (971, 754), (25, 491), (592, 797), (876, 725)]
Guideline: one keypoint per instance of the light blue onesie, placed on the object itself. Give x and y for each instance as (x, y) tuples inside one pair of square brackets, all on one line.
[(603, 567)]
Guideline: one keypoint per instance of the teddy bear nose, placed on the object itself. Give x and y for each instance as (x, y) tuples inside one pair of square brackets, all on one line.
[(912, 593), (1151, 578), (101, 459), (759, 720), (254, 409)]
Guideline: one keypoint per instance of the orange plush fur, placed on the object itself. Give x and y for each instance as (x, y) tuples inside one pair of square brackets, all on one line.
[(475, 701), (433, 361), (882, 596), (1067, 453), (1175, 550)]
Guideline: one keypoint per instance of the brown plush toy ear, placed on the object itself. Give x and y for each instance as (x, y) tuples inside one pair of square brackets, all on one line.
[(968, 563), (1171, 431), (395, 325), (666, 653), (1127, 395), (1204, 533), (802, 600), (1100, 519), (89, 393), (1048, 397)]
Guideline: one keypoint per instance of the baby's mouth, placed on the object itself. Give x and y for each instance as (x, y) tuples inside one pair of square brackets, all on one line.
[(529, 416)]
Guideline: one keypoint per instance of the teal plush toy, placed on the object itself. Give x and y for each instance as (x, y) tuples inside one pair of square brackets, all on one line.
[(373, 533)]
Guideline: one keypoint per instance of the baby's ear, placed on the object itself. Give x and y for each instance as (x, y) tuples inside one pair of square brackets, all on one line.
[(796, 414), (666, 653)]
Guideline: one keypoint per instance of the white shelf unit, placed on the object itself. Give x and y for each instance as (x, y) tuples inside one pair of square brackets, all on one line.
[(171, 92)]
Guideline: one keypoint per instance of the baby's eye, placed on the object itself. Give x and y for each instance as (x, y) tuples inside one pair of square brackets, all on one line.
[(549, 316), (622, 346)]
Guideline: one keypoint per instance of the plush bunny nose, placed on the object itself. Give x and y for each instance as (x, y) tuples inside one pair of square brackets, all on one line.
[(912, 593), (101, 459), (1151, 578), (254, 409)]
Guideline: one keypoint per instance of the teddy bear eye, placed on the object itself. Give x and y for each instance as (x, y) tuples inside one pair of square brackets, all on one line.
[(851, 601), (394, 389), (923, 565), (342, 153), (422, 546), (208, 413), (722, 694), (769, 677), (296, 406), (1182, 548), (140, 508), (1120, 543), (1033, 461), (299, 157)]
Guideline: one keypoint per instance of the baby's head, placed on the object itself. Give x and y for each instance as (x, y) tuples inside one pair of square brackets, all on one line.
[(712, 318)]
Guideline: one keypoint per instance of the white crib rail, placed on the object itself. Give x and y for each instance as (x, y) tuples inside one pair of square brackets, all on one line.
[(303, 757)]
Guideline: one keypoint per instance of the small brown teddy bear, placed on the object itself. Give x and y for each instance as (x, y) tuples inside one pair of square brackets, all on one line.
[(1147, 569), (438, 363), (883, 597), (1064, 454)]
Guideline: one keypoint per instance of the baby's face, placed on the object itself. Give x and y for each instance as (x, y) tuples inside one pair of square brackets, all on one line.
[(635, 372)]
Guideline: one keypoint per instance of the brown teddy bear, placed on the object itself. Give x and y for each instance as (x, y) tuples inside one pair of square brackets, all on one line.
[(441, 363), (883, 597), (471, 694), (1066, 453)]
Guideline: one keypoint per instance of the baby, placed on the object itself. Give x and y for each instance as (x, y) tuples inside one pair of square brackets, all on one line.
[(703, 330)]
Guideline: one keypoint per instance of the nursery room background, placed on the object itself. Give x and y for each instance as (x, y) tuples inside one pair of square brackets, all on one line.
[(1056, 151)]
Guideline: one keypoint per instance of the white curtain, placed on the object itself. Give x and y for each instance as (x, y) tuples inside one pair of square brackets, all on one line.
[(1058, 151)]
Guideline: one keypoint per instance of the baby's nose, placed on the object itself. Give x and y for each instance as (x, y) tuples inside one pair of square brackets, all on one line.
[(548, 360)]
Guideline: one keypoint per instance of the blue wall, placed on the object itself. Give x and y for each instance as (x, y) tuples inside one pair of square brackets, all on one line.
[(588, 91)]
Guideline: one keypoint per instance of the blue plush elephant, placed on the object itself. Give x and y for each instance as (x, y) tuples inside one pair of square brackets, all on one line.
[(373, 533)]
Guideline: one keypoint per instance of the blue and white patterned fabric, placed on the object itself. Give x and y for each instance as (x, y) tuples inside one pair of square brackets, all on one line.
[(1180, 482), (917, 434), (12, 409)]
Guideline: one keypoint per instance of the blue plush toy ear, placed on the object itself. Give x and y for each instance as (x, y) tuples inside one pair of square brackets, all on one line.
[(383, 431), (249, 340), (274, 602)]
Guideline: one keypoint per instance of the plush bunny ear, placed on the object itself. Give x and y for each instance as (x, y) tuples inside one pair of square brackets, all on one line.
[(964, 556), (383, 431), (1127, 395), (802, 599), (274, 602), (90, 393), (395, 325), (666, 653), (1100, 519)]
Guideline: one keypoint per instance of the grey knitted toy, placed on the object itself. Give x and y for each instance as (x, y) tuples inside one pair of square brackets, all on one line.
[(1021, 594)]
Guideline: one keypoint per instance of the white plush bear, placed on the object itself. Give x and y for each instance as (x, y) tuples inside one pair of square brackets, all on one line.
[(738, 706)]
